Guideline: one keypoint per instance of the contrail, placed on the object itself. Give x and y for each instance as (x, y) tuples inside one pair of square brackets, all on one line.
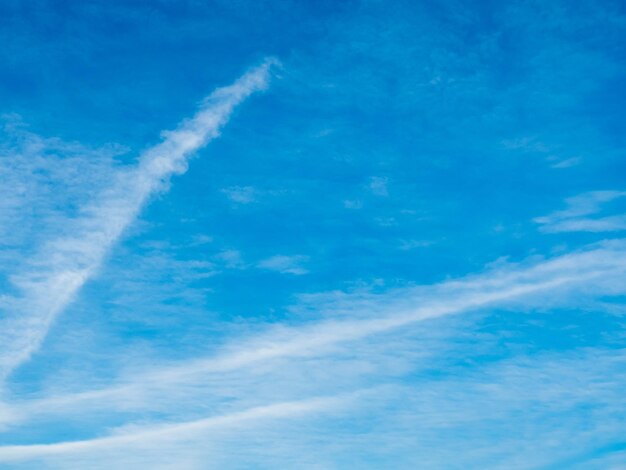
[(64, 264), (155, 435)]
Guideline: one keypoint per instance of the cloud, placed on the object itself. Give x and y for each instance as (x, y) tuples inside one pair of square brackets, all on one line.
[(447, 161), (155, 435), (603, 224), (411, 244), (285, 264), (230, 258), (378, 186), (567, 163), (44, 179), (563, 281), (64, 263), (240, 194), (352, 204), (201, 239), (365, 336), (529, 144), (575, 217)]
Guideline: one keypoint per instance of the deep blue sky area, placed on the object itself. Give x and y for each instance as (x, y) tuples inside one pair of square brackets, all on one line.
[(312, 234)]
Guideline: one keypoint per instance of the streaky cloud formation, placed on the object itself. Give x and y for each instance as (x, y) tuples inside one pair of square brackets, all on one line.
[(410, 254), (576, 217), (155, 435), (64, 264), (563, 281)]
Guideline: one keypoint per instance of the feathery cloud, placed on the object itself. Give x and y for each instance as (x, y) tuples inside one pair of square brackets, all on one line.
[(155, 435), (558, 282), (285, 264), (576, 217), (63, 264)]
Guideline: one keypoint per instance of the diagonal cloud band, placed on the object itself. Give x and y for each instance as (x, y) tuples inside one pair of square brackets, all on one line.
[(158, 435), (63, 265), (595, 272)]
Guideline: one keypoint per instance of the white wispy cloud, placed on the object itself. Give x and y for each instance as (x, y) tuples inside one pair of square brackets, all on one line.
[(411, 244), (240, 194), (615, 223), (562, 281), (285, 264), (378, 185), (230, 258), (154, 436), (352, 204), (64, 263), (567, 163), (576, 217), (44, 179)]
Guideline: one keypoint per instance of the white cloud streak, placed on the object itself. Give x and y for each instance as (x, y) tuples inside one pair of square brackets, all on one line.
[(153, 435), (285, 264), (65, 263), (603, 224), (566, 280), (576, 217)]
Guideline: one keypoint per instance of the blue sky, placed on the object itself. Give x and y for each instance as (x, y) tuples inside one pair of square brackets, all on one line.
[(323, 235)]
